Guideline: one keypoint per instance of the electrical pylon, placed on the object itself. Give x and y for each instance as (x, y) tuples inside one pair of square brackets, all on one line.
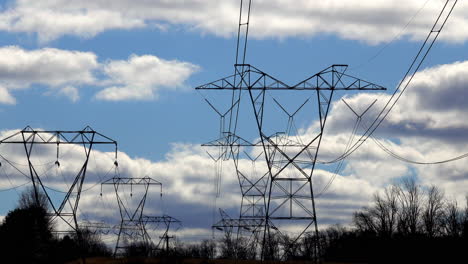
[(96, 227), (134, 224), (36, 141), (252, 185), (131, 228), (290, 156)]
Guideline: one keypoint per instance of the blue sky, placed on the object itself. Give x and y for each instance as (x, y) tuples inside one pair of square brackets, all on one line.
[(93, 56)]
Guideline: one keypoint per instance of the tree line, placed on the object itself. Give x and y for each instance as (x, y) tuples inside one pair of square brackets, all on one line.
[(27, 235), (406, 222)]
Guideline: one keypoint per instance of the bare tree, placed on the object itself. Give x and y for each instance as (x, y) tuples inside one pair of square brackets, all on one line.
[(290, 246), (272, 249), (244, 248), (465, 219), (386, 208), (308, 245), (453, 219), (382, 216), (410, 201), (364, 221), (28, 199), (208, 249), (433, 214), (228, 248)]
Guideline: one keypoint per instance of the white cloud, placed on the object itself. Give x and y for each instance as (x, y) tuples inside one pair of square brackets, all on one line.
[(70, 92), (188, 174), (370, 21), (20, 68), (432, 106), (6, 97), (139, 77), (56, 69), (426, 125), (50, 22), (63, 72), (440, 91)]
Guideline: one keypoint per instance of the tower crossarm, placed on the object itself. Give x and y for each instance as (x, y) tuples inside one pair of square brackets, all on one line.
[(230, 139), (248, 77), (166, 219), (239, 223), (86, 136), (96, 227), (132, 181), (331, 78), (335, 78)]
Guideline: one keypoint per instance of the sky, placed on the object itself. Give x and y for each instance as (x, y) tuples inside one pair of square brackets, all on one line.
[(128, 69)]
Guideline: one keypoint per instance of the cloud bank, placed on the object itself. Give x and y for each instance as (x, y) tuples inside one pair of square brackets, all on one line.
[(63, 72), (370, 21), (188, 174)]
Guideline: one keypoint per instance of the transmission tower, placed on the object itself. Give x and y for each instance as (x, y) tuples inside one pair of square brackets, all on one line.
[(164, 224), (35, 142), (252, 185), (96, 227), (133, 227), (289, 155)]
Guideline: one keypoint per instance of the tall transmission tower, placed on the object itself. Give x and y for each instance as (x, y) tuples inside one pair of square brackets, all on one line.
[(133, 227), (38, 142), (253, 183), (289, 155)]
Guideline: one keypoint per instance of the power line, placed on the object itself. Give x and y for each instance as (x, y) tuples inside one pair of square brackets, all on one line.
[(406, 78), (14, 187), (397, 36), (340, 164)]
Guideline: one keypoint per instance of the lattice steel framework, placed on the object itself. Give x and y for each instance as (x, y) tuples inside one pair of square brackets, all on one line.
[(148, 222), (252, 185), (87, 138), (290, 156), (167, 222), (134, 223), (96, 227), (290, 161)]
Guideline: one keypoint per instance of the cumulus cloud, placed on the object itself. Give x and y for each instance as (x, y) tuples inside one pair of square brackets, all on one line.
[(426, 125), (369, 21), (140, 76), (55, 69), (6, 97), (63, 72), (440, 90), (70, 92), (188, 174), (51, 19), (431, 107)]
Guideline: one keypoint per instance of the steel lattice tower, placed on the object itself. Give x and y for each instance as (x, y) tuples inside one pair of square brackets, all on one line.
[(290, 156), (253, 185), (134, 223), (290, 163), (32, 139)]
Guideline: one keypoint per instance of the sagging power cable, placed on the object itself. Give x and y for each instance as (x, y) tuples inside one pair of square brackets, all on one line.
[(407, 78)]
